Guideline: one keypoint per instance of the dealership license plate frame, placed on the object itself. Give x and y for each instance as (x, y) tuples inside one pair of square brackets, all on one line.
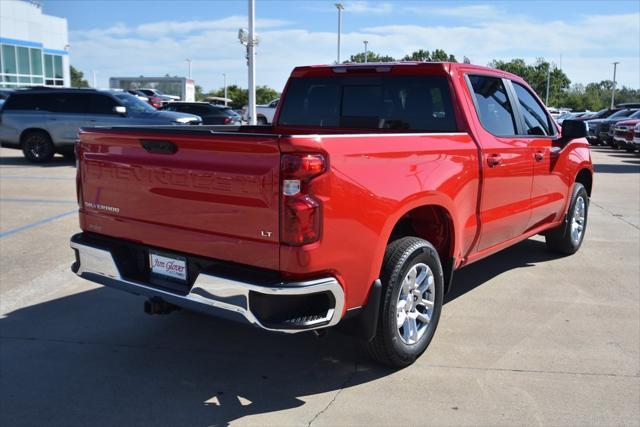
[(157, 272)]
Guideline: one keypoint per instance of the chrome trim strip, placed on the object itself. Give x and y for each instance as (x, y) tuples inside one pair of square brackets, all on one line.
[(212, 291)]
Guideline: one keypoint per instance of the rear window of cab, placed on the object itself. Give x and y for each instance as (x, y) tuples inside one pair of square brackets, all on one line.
[(402, 103)]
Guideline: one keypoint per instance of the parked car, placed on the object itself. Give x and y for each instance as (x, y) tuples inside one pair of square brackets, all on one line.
[(636, 136), (353, 210), (623, 134), (264, 113), (210, 114), (44, 121), (605, 131), (164, 98), (593, 123), (573, 116)]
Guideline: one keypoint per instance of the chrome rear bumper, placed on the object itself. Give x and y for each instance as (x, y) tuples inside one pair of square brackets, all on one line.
[(220, 296)]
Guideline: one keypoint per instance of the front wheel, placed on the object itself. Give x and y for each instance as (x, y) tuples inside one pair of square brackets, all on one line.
[(412, 292), (568, 238)]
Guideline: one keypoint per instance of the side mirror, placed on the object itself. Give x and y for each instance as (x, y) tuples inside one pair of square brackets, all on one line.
[(120, 109), (572, 129)]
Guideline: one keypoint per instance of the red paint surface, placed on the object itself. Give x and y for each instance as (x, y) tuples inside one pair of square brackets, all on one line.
[(216, 195)]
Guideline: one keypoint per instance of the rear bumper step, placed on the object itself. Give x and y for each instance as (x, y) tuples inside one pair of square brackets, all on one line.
[(285, 306)]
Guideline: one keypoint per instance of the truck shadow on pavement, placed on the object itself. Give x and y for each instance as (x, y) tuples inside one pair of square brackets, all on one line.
[(94, 358)]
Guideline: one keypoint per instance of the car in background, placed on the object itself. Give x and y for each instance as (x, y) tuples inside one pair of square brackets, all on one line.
[(152, 100), (623, 134), (636, 136), (603, 135), (164, 98), (45, 121), (210, 114), (264, 113), (593, 123), (573, 116)]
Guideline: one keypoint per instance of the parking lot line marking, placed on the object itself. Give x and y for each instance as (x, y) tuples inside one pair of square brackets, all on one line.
[(35, 224), (40, 178), (17, 200)]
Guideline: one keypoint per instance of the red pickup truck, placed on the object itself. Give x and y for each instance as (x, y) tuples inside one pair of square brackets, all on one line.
[(353, 209)]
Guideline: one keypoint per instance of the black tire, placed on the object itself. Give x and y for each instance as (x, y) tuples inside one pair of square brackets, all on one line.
[(262, 121), (388, 346), (37, 146), (561, 239), (629, 149)]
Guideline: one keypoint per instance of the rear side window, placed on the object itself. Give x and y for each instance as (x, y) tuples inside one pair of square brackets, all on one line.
[(405, 103), (494, 109), (534, 117), (67, 102)]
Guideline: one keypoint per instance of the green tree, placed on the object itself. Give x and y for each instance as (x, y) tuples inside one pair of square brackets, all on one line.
[(200, 95), (77, 78), (423, 55), (536, 75), (371, 57), (240, 97)]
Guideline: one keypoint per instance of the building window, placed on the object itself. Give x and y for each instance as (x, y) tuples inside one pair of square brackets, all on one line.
[(9, 60), (27, 66)]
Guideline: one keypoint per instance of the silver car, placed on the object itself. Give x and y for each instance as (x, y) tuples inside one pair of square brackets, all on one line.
[(42, 122)]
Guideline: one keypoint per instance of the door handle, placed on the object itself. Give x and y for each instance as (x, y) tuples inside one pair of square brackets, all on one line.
[(494, 160), (539, 156)]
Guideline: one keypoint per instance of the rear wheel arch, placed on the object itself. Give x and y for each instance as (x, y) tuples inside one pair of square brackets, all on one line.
[(433, 223), (585, 177), (28, 131)]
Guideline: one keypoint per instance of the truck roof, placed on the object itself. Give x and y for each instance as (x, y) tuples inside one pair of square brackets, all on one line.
[(381, 66)]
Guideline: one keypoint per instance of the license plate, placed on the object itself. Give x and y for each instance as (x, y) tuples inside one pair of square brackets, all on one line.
[(166, 266)]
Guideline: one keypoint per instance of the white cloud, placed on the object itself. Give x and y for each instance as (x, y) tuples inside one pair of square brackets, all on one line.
[(367, 7), (470, 11), (160, 48)]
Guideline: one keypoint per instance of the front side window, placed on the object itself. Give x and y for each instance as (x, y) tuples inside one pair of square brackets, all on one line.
[(405, 103), (494, 109), (534, 117)]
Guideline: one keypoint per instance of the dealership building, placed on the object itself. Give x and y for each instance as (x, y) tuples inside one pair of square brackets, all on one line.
[(33, 46)]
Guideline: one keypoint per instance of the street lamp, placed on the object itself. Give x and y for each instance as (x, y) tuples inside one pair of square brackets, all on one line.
[(250, 40), (546, 99), (189, 67), (340, 8), (613, 89), (366, 51), (225, 88)]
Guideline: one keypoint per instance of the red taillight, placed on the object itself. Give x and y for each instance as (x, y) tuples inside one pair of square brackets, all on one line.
[(227, 120), (301, 213)]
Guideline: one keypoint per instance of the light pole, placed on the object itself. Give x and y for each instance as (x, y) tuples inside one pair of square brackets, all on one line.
[(546, 99), (252, 63), (340, 8), (613, 89), (225, 88), (189, 67), (366, 51)]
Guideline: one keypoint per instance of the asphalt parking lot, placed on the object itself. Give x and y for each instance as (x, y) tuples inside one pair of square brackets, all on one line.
[(525, 338)]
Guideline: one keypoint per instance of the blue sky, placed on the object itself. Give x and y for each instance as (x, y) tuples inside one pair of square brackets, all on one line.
[(155, 37)]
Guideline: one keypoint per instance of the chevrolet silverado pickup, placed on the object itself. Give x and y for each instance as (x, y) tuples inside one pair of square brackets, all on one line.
[(374, 183)]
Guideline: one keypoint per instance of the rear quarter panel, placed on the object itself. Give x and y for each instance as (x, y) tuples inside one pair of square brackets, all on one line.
[(372, 181)]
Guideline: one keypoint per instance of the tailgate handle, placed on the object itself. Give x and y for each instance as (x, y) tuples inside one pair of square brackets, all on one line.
[(158, 146)]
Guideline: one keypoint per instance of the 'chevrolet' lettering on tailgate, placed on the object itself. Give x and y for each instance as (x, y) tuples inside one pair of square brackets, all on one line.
[(215, 181)]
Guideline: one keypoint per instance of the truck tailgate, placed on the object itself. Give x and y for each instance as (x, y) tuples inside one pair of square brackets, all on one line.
[(208, 194)]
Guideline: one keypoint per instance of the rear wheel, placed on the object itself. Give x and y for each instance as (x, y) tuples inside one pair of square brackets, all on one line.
[(412, 291), (568, 238), (37, 146), (262, 120)]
